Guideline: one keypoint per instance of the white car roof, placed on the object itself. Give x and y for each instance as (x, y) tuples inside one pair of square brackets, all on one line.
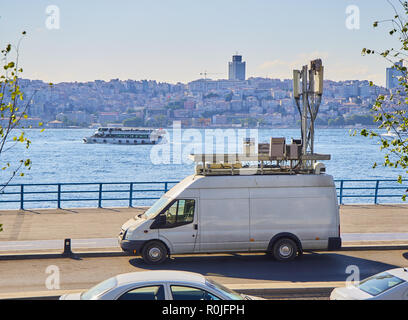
[(401, 273), (161, 275)]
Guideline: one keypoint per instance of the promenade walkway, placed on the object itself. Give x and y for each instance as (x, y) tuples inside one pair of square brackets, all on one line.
[(85, 223)]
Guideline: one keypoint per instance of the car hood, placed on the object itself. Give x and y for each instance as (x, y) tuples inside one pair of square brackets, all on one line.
[(349, 293)]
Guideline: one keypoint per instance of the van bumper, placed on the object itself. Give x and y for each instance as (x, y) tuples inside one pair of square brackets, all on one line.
[(132, 246), (334, 244)]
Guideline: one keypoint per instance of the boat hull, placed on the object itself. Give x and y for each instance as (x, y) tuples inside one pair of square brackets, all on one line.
[(130, 141)]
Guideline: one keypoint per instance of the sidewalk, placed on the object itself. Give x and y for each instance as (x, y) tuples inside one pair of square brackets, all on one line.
[(90, 223)]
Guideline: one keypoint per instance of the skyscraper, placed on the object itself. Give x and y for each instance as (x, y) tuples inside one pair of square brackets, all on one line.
[(392, 75), (236, 68)]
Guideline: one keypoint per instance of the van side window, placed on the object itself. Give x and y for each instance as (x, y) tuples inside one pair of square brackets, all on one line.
[(185, 212), (181, 212)]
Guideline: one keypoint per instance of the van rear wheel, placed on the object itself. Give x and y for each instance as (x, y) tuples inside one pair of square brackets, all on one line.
[(154, 252), (284, 249)]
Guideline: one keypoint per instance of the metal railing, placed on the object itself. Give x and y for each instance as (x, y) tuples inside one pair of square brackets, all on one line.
[(353, 188), (129, 193), (98, 192)]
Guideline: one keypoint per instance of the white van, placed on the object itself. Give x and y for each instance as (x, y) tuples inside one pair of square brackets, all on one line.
[(279, 214)]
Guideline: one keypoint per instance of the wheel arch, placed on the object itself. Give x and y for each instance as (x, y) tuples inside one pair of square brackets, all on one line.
[(285, 235), (157, 240)]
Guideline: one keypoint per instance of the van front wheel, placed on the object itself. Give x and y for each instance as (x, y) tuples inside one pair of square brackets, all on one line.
[(154, 252), (285, 249)]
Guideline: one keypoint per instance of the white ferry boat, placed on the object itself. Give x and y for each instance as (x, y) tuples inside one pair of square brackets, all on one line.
[(133, 136)]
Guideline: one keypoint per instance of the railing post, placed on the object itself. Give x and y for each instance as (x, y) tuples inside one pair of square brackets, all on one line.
[(100, 196), (131, 194), (376, 192), (22, 197), (165, 187), (341, 191), (59, 196)]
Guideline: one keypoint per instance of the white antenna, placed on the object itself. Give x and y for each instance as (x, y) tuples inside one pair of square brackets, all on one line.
[(311, 93)]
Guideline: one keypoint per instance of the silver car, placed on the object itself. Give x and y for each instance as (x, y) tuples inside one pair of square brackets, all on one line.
[(388, 285), (158, 285)]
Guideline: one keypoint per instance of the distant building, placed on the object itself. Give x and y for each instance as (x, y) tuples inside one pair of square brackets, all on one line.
[(55, 124), (236, 68), (392, 75)]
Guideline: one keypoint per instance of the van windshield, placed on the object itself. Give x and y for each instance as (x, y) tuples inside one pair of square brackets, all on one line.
[(156, 207)]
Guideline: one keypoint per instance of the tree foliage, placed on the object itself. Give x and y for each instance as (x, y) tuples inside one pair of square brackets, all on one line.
[(13, 111), (390, 111)]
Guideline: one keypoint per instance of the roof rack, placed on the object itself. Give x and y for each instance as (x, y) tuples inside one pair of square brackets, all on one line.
[(271, 158)]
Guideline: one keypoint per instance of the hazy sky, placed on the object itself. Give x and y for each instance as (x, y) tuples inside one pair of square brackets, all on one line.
[(175, 40)]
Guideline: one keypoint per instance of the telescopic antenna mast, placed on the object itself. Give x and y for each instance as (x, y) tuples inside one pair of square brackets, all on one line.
[(307, 92)]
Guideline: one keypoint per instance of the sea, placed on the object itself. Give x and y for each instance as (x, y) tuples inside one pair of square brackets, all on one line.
[(61, 156)]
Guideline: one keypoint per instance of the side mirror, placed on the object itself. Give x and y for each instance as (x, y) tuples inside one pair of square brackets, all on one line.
[(158, 222)]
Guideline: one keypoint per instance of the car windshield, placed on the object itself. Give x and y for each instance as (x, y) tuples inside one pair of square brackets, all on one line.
[(99, 289), (228, 292), (156, 207), (379, 283)]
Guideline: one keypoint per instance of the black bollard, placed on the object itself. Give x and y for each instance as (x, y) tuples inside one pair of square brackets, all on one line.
[(67, 248)]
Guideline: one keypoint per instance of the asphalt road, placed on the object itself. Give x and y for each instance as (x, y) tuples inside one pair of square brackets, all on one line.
[(235, 270), (32, 245)]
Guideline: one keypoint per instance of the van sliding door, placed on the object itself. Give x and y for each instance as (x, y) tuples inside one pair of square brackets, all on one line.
[(224, 220)]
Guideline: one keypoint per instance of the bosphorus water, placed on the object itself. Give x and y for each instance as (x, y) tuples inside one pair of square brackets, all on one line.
[(60, 156)]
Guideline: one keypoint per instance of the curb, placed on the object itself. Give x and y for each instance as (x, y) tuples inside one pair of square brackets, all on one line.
[(375, 247), (74, 256)]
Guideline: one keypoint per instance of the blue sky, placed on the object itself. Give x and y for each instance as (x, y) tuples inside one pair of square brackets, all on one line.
[(175, 40)]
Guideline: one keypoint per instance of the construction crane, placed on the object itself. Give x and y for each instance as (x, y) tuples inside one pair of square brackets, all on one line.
[(205, 73)]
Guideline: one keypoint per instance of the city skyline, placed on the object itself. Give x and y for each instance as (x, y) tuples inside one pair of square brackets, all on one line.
[(175, 42)]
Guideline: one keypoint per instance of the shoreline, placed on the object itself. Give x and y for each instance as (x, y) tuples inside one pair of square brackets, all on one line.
[(211, 127)]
